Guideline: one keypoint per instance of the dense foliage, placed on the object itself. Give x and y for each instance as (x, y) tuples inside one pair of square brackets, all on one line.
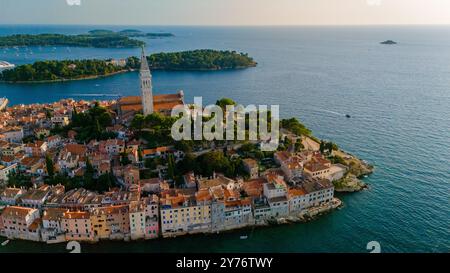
[(89, 125), (84, 40), (202, 59), (295, 127), (157, 129), (79, 69), (59, 70), (210, 162)]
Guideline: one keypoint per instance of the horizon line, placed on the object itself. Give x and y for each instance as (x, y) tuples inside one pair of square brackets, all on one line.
[(212, 25)]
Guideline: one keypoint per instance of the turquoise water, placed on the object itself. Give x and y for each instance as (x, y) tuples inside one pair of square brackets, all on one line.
[(398, 97)]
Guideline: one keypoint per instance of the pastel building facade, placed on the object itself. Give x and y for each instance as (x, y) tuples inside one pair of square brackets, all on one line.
[(21, 223), (137, 220), (78, 226), (152, 218)]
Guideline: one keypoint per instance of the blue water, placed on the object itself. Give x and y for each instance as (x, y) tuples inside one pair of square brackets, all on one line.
[(398, 97)]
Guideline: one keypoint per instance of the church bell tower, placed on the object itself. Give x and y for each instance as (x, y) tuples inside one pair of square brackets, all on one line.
[(146, 85)]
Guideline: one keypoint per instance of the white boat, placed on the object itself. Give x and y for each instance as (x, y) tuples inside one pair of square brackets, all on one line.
[(5, 65), (244, 237), (5, 243), (3, 103)]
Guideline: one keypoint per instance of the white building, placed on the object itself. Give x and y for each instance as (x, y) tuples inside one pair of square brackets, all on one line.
[(52, 230), (5, 171), (10, 196), (13, 134), (137, 220)]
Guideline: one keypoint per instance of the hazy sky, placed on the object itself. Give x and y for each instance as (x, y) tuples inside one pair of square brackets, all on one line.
[(225, 12)]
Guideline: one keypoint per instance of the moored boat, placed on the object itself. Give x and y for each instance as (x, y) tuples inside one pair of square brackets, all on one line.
[(5, 65)]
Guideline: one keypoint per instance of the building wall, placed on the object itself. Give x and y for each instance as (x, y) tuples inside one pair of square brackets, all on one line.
[(137, 225), (16, 227), (217, 216), (6, 171), (100, 226), (181, 220), (279, 209), (152, 221), (78, 229), (237, 217)]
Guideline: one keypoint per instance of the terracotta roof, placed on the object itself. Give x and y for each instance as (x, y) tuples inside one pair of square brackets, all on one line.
[(77, 149), (29, 161), (36, 224), (7, 158), (53, 214), (154, 151), (130, 100), (203, 195), (76, 215), (254, 187), (166, 97), (296, 192), (161, 103), (315, 166), (14, 211), (10, 192), (111, 210)]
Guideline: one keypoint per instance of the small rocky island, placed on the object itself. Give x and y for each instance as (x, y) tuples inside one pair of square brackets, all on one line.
[(388, 42)]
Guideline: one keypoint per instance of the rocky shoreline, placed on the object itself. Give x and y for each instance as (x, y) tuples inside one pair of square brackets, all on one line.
[(357, 169)]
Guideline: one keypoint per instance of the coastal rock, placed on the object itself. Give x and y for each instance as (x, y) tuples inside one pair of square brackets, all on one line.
[(350, 183), (360, 168)]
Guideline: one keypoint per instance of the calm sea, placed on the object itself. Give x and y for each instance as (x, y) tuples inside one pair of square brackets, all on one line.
[(398, 97)]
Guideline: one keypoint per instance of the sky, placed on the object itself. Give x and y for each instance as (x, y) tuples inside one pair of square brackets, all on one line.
[(225, 12)]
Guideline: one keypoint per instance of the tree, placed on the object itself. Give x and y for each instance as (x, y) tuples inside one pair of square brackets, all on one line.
[(104, 182), (140, 156), (154, 119), (295, 127), (171, 166), (329, 147), (322, 147), (299, 146), (185, 146), (50, 166), (138, 122), (188, 164), (222, 103), (124, 160), (214, 161), (19, 180)]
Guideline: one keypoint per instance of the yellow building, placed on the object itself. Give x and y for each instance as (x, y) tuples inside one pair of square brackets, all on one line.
[(182, 214), (100, 227)]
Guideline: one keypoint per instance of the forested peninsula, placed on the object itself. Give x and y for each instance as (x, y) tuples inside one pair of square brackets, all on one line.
[(66, 70), (98, 38)]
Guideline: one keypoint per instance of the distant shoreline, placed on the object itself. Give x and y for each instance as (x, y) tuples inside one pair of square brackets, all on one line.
[(127, 71), (69, 80)]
